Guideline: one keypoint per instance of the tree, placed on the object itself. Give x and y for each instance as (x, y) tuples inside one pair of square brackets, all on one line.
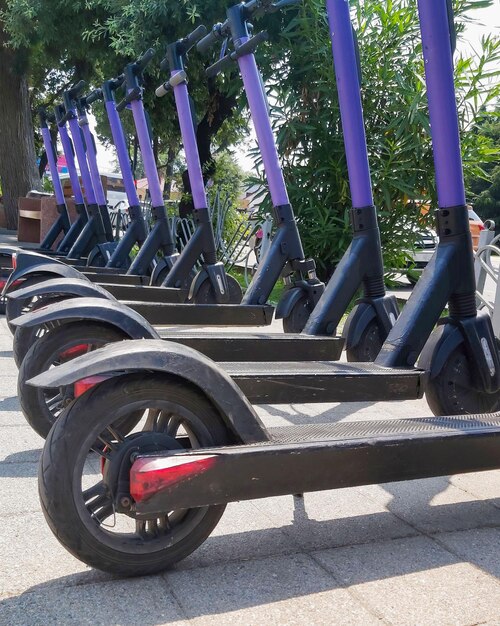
[(18, 173), (301, 85)]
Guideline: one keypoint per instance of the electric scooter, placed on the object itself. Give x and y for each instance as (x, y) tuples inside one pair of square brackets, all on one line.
[(371, 319), (165, 487), (284, 258)]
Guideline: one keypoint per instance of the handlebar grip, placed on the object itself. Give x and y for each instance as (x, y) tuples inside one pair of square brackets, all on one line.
[(143, 60), (249, 46), (116, 83), (76, 89), (219, 66), (194, 37), (162, 90), (93, 96), (207, 42)]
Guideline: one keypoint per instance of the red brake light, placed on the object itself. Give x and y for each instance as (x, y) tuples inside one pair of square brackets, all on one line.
[(480, 226), (81, 386), (14, 261), (150, 475)]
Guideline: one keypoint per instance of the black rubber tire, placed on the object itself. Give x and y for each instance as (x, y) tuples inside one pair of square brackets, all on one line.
[(15, 308), (366, 351), (96, 259), (42, 355), (206, 292), (62, 464), (297, 319), (451, 391), (25, 337)]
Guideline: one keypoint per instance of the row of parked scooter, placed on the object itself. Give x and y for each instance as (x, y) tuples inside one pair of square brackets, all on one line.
[(151, 432)]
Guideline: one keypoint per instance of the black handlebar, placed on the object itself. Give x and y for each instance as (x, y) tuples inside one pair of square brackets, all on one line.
[(116, 83), (246, 48), (76, 90), (185, 45), (143, 60), (93, 96), (215, 35)]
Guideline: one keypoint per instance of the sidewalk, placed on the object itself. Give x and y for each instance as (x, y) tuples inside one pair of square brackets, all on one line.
[(425, 552)]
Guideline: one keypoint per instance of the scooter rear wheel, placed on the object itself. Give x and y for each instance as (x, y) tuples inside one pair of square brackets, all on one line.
[(74, 484), (16, 308), (297, 319), (42, 407), (452, 391), (206, 292)]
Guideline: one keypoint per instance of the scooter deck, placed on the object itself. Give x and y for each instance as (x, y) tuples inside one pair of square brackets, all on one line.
[(204, 314), (143, 293), (324, 381), (298, 459), (114, 279), (221, 346)]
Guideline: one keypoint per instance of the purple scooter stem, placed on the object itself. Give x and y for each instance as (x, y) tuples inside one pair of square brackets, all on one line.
[(82, 161), (70, 161), (438, 62), (122, 153), (92, 161), (262, 124), (190, 146), (351, 110), (56, 181), (147, 153)]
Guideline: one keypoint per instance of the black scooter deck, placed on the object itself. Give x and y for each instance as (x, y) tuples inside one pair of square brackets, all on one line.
[(204, 314), (324, 381), (298, 459), (120, 279), (221, 346), (143, 293)]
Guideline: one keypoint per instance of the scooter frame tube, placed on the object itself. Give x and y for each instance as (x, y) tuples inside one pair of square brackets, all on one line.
[(362, 263)]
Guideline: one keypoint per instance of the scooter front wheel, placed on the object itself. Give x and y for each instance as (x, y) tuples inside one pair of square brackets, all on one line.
[(77, 478), (367, 348), (296, 320), (206, 292), (452, 390), (42, 407)]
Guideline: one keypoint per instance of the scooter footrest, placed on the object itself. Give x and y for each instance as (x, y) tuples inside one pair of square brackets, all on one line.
[(204, 314), (221, 346), (324, 381)]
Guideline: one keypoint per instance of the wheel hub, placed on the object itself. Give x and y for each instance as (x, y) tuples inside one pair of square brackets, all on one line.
[(117, 464)]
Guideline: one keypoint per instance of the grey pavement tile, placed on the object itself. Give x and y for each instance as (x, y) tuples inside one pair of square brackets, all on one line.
[(20, 444), (31, 555), (333, 518), (415, 581), (243, 533), (484, 485), (19, 489), (480, 546), (144, 601), (434, 505), (278, 590)]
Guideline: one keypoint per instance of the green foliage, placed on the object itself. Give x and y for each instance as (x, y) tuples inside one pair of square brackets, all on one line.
[(301, 85)]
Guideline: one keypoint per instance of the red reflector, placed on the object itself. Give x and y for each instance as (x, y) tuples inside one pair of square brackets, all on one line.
[(14, 261), (481, 227), (150, 475), (81, 348), (81, 386), (2, 283)]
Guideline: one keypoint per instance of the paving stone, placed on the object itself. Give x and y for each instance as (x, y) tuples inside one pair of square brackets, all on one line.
[(19, 489), (434, 505), (483, 485), (20, 444), (128, 603), (243, 533), (31, 555), (415, 581), (279, 590), (333, 518), (480, 546)]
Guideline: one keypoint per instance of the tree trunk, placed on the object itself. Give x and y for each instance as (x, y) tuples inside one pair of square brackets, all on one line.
[(18, 171)]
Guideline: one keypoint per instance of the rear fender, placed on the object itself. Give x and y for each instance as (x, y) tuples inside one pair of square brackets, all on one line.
[(62, 287), (167, 358), (110, 312), (31, 264)]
